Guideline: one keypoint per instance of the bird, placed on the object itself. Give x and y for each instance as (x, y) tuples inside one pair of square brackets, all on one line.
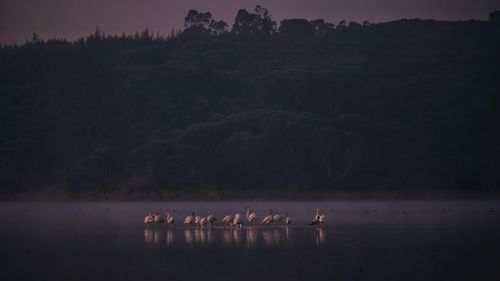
[(189, 219), (202, 222), (158, 218), (277, 218), (322, 219), (251, 216), (318, 219), (169, 218), (286, 218), (227, 219), (268, 219), (197, 219), (237, 220), (148, 218), (211, 219)]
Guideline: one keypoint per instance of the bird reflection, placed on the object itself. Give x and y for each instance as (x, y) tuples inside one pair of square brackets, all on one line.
[(286, 235), (237, 235), (231, 235), (188, 236), (199, 235), (267, 237), (152, 236), (275, 236), (227, 236), (148, 236), (320, 235), (170, 237), (252, 236), (278, 236), (210, 235)]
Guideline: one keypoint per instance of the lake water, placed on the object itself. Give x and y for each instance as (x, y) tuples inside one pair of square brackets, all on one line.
[(362, 240)]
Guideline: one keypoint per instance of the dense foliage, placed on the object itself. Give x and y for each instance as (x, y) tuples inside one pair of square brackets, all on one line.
[(303, 105)]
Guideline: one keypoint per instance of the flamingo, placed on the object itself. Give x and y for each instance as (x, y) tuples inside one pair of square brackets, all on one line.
[(211, 219), (203, 221), (286, 219), (322, 218), (318, 219), (169, 218), (237, 220), (197, 219), (189, 219), (148, 218), (269, 218), (227, 219), (158, 218), (251, 216), (277, 218)]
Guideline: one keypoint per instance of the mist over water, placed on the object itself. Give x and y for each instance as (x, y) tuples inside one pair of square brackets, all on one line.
[(362, 240)]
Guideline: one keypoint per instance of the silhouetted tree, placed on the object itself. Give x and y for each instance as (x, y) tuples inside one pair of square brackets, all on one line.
[(321, 28), (268, 26), (259, 22), (296, 27), (35, 39), (494, 16), (98, 34), (342, 25), (354, 24), (197, 20), (218, 27), (203, 22)]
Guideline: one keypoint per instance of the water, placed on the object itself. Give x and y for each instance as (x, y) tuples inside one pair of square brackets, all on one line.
[(371, 240)]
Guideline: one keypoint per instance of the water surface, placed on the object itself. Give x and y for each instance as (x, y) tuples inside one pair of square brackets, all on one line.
[(362, 240)]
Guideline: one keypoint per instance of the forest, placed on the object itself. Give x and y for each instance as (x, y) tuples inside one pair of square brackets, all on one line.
[(259, 107)]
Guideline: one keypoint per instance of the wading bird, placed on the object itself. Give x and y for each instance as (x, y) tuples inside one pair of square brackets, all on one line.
[(203, 221), (322, 219), (286, 219), (189, 219), (251, 216), (269, 218), (158, 218), (237, 220), (277, 218), (148, 218), (227, 219), (197, 219), (318, 219), (169, 218), (211, 220)]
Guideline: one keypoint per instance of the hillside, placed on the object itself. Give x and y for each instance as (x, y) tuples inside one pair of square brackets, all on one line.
[(306, 106)]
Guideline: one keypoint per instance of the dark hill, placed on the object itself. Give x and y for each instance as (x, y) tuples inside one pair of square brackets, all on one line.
[(396, 106)]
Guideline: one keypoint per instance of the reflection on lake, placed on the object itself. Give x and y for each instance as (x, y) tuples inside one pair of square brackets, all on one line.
[(230, 236), (320, 236), (370, 240)]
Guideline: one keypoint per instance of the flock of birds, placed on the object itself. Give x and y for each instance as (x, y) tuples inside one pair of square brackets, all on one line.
[(232, 220)]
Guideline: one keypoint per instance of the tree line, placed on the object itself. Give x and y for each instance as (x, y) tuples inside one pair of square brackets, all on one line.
[(306, 107)]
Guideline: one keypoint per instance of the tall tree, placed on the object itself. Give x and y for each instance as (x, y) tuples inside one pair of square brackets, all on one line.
[(495, 16), (321, 27), (196, 21), (259, 23)]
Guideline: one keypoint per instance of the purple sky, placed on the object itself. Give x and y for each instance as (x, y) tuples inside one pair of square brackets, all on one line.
[(73, 18)]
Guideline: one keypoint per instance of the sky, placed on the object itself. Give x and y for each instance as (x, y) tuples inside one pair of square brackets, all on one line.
[(71, 19)]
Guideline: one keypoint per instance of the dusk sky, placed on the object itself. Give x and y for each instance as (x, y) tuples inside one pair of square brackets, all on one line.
[(71, 19)]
